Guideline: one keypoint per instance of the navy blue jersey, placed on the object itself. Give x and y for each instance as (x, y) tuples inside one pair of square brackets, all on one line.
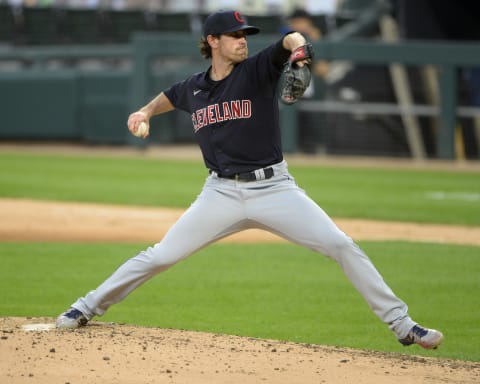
[(236, 120)]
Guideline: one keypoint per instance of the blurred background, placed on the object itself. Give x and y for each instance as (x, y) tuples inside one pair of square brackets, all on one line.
[(391, 78)]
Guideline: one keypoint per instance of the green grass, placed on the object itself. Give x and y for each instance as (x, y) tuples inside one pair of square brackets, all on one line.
[(106, 180), (270, 291), (274, 291), (399, 195), (384, 194)]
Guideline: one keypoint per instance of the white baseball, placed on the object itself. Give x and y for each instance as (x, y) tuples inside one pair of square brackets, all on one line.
[(142, 129)]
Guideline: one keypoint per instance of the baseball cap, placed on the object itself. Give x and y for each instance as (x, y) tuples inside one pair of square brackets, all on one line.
[(225, 22)]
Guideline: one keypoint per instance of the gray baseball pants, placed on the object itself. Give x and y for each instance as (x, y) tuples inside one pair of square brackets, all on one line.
[(277, 205)]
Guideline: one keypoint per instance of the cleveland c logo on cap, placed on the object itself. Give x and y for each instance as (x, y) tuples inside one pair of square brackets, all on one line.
[(238, 17)]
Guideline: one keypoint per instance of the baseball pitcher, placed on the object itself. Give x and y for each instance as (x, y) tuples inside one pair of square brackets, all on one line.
[(235, 117)]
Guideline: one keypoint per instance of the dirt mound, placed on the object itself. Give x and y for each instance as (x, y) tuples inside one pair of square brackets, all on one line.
[(114, 353)]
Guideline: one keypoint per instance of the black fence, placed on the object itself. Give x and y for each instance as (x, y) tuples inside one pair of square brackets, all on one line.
[(54, 25), (23, 25)]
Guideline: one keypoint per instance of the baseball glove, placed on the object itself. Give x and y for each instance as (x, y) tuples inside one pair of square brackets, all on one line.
[(297, 79)]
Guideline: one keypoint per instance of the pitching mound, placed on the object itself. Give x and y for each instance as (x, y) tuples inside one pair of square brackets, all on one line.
[(114, 353)]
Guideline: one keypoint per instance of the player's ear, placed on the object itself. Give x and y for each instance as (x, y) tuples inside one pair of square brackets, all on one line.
[(213, 40)]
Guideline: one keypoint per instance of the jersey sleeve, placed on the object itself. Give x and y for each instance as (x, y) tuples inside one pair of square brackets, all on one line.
[(172, 94), (269, 62), (179, 94), (280, 55)]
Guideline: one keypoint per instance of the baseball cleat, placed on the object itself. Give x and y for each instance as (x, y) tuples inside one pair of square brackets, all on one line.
[(72, 318), (426, 338)]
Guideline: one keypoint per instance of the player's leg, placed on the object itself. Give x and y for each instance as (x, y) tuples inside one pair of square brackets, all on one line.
[(293, 215), (213, 215)]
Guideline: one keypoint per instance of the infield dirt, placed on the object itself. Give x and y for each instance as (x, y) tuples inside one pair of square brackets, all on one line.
[(115, 353), (33, 220)]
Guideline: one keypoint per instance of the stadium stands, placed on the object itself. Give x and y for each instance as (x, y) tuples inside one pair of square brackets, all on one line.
[(26, 25), (7, 23), (54, 25), (40, 25), (84, 26)]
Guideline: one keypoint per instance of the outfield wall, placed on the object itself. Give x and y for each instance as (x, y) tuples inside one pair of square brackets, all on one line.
[(55, 93)]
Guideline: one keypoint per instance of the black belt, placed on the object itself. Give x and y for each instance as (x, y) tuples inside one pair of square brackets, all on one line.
[(259, 174)]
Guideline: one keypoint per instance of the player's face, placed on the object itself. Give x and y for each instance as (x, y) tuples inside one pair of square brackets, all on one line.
[(233, 46)]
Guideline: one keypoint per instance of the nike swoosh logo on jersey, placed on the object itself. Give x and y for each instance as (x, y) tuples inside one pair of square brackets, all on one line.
[(196, 92)]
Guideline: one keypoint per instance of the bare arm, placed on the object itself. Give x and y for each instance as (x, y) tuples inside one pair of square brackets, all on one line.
[(160, 104), (292, 41)]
